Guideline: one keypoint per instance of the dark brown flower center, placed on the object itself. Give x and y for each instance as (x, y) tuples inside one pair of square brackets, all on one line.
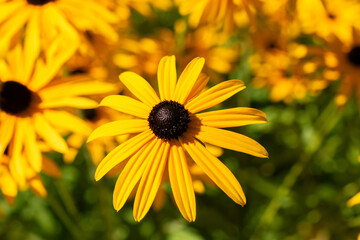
[(39, 2), (169, 120), (354, 56), (90, 114), (14, 97), (331, 16)]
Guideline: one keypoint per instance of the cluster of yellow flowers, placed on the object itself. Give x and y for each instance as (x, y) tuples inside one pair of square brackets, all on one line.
[(58, 58)]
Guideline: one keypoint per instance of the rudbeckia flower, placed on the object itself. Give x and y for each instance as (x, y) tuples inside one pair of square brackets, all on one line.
[(141, 55), (10, 185), (214, 46), (285, 67), (329, 18), (34, 108), (222, 13), (41, 21), (344, 60), (167, 128)]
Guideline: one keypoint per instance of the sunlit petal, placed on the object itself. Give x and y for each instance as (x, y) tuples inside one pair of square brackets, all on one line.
[(119, 127), (122, 152), (126, 105), (151, 180), (140, 88), (215, 95), (216, 170)]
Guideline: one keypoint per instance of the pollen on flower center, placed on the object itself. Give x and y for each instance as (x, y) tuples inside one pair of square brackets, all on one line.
[(14, 97), (39, 2), (354, 56), (169, 120)]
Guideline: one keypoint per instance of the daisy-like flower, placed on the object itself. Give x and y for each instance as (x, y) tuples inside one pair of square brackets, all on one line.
[(285, 67), (345, 61), (34, 108), (41, 21), (222, 13), (213, 45), (10, 186), (169, 127), (329, 18), (142, 55)]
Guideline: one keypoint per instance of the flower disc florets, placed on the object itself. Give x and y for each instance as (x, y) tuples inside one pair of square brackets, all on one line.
[(14, 97), (90, 114), (39, 2), (354, 56), (169, 120)]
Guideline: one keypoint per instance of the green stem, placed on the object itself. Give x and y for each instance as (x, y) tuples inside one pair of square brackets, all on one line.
[(67, 200), (66, 220), (325, 123)]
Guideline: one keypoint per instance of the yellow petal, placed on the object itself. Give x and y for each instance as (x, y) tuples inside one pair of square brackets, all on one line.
[(31, 42), (231, 140), (17, 162), (47, 132), (97, 152), (8, 185), (53, 64), (233, 117), (214, 95), (181, 182), (151, 180), (199, 86), (32, 150), (216, 170), (119, 127), (38, 187), (12, 25), (122, 152), (66, 29), (126, 105), (354, 200), (167, 77), (67, 121), (74, 87), (7, 126), (187, 79), (132, 173), (9, 8), (75, 102), (140, 88)]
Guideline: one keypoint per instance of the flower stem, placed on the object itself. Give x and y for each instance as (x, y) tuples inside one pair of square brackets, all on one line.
[(66, 220)]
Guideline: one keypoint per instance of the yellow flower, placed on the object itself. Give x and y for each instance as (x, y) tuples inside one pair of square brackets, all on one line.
[(222, 13), (285, 67), (211, 44), (123, 7), (170, 126), (329, 18), (142, 55), (32, 108), (344, 61), (10, 186), (44, 20)]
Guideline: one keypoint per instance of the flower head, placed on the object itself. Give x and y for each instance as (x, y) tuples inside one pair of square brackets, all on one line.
[(167, 128), (34, 107)]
